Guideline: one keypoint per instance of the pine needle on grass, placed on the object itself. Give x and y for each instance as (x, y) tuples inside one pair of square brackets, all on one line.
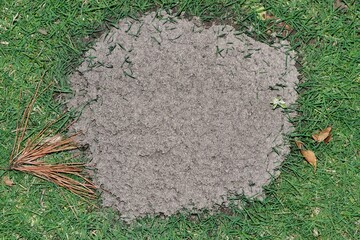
[(27, 159)]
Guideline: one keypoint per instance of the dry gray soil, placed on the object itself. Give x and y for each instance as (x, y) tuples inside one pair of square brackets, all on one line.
[(178, 116)]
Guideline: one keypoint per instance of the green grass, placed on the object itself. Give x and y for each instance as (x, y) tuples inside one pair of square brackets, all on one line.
[(49, 36)]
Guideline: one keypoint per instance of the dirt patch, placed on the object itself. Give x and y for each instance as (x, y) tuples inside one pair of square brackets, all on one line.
[(179, 116)]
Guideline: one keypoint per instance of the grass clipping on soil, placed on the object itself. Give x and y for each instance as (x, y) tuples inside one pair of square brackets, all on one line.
[(27, 158)]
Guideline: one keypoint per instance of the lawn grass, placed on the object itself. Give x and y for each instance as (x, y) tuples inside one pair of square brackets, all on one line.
[(50, 36)]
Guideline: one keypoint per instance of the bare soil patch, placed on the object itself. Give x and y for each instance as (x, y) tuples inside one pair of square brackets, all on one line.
[(178, 116)]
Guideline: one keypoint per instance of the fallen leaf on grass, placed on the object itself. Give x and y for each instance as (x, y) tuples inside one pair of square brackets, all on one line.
[(328, 139), (338, 4), (299, 144), (309, 157), (307, 154), (323, 136), (7, 181)]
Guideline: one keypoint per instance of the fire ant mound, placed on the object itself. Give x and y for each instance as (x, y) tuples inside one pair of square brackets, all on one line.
[(179, 116)]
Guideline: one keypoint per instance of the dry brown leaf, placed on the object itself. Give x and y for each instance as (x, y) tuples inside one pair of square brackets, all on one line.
[(307, 154), (7, 181), (324, 134), (328, 139), (309, 157), (338, 4), (299, 144)]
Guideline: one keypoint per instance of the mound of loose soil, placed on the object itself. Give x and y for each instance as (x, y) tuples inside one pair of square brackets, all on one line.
[(179, 116)]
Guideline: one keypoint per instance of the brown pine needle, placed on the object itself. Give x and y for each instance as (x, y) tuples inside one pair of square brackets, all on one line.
[(61, 174), (33, 151), (27, 158), (24, 122)]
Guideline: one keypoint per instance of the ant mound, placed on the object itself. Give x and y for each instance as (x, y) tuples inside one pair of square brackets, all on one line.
[(179, 116)]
